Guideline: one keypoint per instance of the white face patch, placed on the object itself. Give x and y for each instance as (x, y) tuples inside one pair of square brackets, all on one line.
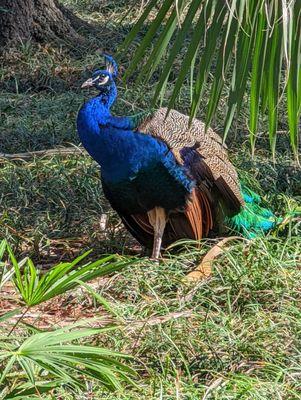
[(102, 81)]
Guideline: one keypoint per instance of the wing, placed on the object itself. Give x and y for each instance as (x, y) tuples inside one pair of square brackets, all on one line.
[(201, 152)]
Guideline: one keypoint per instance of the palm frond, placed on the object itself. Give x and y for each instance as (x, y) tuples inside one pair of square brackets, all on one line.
[(33, 362), (35, 287), (6, 272), (54, 355), (254, 42)]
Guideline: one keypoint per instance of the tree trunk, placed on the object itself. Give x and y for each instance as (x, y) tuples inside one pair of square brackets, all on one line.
[(36, 20)]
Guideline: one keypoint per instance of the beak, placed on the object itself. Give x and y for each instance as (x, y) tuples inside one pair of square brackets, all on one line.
[(88, 83)]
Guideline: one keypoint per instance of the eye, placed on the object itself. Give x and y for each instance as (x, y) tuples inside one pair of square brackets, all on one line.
[(103, 79)]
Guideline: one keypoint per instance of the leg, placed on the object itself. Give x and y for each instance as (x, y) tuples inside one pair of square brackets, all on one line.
[(157, 219)]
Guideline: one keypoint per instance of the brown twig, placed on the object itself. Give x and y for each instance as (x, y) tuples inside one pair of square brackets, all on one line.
[(134, 325), (18, 321), (61, 151)]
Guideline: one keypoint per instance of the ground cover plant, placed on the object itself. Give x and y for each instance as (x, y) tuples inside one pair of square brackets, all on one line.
[(235, 335), (35, 361)]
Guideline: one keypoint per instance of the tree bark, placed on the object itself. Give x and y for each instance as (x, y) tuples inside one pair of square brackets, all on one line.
[(36, 20)]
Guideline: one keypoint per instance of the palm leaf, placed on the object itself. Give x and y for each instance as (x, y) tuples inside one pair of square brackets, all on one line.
[(161, 44), (36, 288), (222, 65), (204, 67), (261, 34), (273, 63), (244, 42), (145, 43), (55, 353), (263, 39), (293, 83), (185, 26), (190, 56)]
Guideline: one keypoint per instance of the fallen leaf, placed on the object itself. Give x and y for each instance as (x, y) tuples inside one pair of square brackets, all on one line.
[(204, 269)]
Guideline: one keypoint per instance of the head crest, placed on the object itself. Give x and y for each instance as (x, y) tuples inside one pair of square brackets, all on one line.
[(111, 65)]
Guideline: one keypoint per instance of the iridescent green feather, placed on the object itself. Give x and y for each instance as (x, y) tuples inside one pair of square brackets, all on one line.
[(253, 219)]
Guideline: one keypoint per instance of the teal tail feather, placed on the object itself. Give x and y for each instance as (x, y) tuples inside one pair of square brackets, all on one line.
[(253, 220)]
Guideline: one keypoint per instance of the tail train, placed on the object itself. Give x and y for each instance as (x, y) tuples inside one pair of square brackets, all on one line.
[(253, 220)]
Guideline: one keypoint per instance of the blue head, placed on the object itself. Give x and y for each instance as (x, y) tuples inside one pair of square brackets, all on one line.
[(104, 81)]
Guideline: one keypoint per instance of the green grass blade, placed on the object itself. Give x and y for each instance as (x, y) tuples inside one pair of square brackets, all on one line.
[(6, 272), (3, 245), (9, 314), (100, 299)]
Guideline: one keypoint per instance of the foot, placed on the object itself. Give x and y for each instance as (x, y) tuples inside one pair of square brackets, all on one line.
[(155, 260)]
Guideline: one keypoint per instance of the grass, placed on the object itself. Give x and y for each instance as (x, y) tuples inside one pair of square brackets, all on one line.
[(241, 335)]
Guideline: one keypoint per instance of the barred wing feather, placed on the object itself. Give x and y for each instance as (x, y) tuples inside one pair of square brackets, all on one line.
[(201, 151)]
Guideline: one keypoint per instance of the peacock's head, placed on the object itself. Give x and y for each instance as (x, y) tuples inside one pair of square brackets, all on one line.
[(103, 79)]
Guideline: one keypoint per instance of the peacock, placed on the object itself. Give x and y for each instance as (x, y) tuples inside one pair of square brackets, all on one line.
[(167, 178)]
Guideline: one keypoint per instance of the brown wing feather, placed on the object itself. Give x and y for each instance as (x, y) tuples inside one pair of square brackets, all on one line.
[(212, 164), (194, 222), (195, 214), (143, 221), (199, 214)]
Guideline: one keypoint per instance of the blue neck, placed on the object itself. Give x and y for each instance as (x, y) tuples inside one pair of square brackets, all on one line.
[(93, 114), (108, 95), (120, 151), (110, 147)]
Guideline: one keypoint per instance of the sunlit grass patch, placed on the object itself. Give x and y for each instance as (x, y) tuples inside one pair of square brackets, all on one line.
[(242, 333), (55, 202), (235, 335)]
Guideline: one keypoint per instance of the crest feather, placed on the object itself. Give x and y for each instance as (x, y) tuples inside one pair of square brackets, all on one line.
[(111, 65)]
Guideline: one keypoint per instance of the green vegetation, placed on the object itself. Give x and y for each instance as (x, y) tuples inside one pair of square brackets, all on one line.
[(236, 335), (34, 361), (256, 41)]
